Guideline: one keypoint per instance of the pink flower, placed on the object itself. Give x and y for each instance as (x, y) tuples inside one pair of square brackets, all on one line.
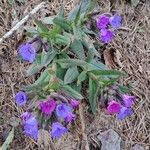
[(113, 107), (47, 107), (128, 100), (74, 103)]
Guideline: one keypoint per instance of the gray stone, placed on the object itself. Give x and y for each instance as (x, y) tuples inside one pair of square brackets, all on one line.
[(137, 147), (110, 140)]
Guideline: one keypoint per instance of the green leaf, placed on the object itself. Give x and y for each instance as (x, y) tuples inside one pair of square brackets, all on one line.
[(48, 20), (64, 24), (41, 26), (72, 92), (60, 72), (62, 40), (34, 68), (71, 75), (135, 2), (73, 13), (8, 141), (78, 49), (45, 76), (96, 65), (47, 57), (67, 63), (108, 73), (88, 43), (93, 95), (82, 76), (77, 32), (43, 80)]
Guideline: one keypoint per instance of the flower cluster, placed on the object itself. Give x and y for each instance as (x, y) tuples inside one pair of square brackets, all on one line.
[(60, 113), (122, 110), (103, 23)]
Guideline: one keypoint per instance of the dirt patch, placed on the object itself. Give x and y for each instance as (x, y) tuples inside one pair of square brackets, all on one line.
[(132, 55)]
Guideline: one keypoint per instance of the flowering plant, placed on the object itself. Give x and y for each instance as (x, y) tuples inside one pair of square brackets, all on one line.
[(66, 58)]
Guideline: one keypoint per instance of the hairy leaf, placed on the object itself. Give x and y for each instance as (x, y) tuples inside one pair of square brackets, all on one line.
[(62, 23), (108, 73), (72, 92), (71, 74), (93, 95), (78, 49), (41, 26), (48, 20), (82, 76)]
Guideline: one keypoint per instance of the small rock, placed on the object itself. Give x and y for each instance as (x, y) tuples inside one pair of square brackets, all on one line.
[(110, 140), (137, 147)]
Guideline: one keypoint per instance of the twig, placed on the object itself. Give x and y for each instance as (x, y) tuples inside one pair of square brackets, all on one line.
[(21, 22), (84, 136)]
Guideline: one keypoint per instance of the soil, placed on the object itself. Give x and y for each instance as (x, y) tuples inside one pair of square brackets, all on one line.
[(131, 49)]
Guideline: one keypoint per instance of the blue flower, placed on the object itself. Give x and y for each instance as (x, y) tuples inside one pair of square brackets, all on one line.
[(63, 110), (58, 130), (106, 35), (31, 128), (27, 52), (124, 112), (21, 98), (115, 21)]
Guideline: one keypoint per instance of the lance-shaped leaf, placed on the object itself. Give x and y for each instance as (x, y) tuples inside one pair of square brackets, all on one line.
[(62, 40), (107, 73), (82, 77), (63, 23), (41, 26), (48, 20), (71, 75), (72, 92), (77, 48), (47, 57), (93, 94), (67, 63)]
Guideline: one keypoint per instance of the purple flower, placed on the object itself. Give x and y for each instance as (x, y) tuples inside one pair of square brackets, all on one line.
[(124, 112), (25, 116), (31, 128), (47, 107), (115, 21), (63, 110), (113, 107), (21, 98), (70, 117), (74, 103), (102, 22), (106, 35), (28, 52), (58, 130), (128, 100)]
